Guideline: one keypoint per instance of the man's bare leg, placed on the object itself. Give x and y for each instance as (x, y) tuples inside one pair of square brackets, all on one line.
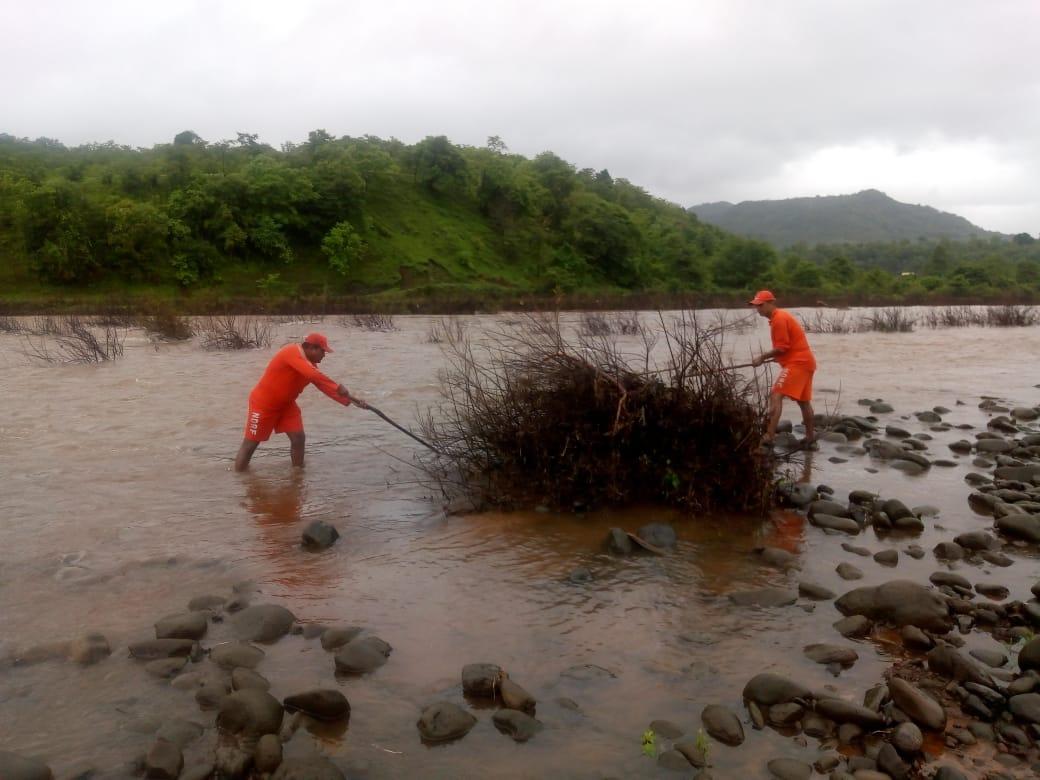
[(776, 406), (296, 447), (245, 454), (809, 421)]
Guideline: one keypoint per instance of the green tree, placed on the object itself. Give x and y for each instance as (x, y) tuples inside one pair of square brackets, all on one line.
[(437, 164), (343, 246), (188, 138), (742, 263)]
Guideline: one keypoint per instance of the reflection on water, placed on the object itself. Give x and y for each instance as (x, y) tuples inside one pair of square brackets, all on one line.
[(119, 513)]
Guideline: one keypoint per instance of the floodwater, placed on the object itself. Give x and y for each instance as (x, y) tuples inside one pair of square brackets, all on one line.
[(118, 506)]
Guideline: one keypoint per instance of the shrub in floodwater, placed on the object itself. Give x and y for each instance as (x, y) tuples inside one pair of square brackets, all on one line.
[(531, 415), (446, 331), (72, 340), (1010, 316), (372, 322), (167, 324), (230, 333), (891, 320), (835, 322)]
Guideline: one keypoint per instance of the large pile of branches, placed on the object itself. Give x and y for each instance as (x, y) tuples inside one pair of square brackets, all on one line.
[(535, 413)]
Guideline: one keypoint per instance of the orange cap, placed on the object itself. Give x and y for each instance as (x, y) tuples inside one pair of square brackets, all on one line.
[(761, 297), (318, 340)]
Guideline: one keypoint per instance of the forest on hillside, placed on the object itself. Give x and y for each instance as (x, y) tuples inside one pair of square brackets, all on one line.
[(375, 217)]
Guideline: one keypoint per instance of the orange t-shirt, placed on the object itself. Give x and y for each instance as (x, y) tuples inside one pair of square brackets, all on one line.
[(288, 373), (788, 335)]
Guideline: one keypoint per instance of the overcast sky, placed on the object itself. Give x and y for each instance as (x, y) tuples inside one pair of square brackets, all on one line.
[(934, 102)]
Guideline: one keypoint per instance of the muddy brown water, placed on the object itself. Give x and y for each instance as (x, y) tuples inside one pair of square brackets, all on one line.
[(118, 506)]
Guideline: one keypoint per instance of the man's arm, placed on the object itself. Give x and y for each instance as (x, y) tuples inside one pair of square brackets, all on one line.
[(330, 387), (781, 342)]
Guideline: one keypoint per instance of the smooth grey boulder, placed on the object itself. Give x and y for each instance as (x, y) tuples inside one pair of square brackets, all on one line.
[(187, 625), (242, 678), (789, 769), (152, 649), (908, 738), (834, 523), (1029, 655), (362, 655), (516, 724), (618, 542), (482, 681), (722, 724), (263, 623), (847, 712), (233, 654), (810, 590), (1026, 706), (320, 703), (310, 768), (900, 603), (921, 708), (335, 638), (443, 721), (1020, 526), (514, 697), (770, 689), (250, 713), (658, 534), (164, 760), (947, 662), (318, 535), (831, 654)]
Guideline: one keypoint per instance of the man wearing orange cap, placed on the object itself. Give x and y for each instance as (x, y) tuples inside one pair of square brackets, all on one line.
[(272, 404), (797, 366)]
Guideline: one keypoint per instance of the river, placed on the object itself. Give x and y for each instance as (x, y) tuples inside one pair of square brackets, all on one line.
[(118, 506)]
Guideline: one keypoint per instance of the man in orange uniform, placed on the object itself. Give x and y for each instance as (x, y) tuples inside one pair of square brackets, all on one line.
[(797, 366), (272, 404)]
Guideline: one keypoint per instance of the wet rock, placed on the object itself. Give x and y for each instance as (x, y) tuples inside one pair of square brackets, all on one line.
[(896, 510), (811, 590), (777, 557), (993, 658), (207, 602), (518, 725), (764, 597), (618, 542), (263, 623), (1029, 655), (797, 494), (1026, 707), (834, 523), (785, 715), (658, 534), (846, 712), (233, 654), (250, 714), (515, 697), (948, 551), (789, 769), (891, 763), (164, 760), (995, 558), (89, 649), (817, 726), (949, 773), (482, 681), (180, 732), (769, 689), (321, 703), (245, 679), (318, 536), (268, 753), (337, 637), (949, 663), (443, 721), (666, 729), (165, 668), (908, 739), (863, 552), (916, 638), (900, 603), (915, 551), (881, 407), (211, 694), (580, 576), (848, 572), (854, 626), (849, 733), (152, 649), (828, 507), (16, 767), (887, 557), (189, 625), (1020, 526), (310, 768), (722, 724), (362, 655), (921, 708), (693, 754), (831, 654)]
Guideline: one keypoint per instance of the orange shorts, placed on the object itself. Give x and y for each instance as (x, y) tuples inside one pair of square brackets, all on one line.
[(795, 382), (261, 422)]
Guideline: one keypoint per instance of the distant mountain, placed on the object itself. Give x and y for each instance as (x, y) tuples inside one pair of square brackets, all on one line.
[(866, 216)]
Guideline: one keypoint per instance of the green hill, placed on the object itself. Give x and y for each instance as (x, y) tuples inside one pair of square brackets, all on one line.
[(866, 216)]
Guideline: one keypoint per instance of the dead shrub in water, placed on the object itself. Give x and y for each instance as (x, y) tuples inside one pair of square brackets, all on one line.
[(230, 333), (532, 416), (371, 322), (10, 325), (446, 331), (1010, 316), (836, 322), (599, 324), (168, 325), (74, 341), (951, 317), (891, 320)]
